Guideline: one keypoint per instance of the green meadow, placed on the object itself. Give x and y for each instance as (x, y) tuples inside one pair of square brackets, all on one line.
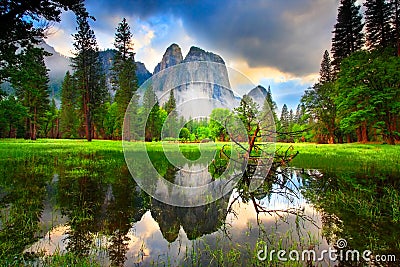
[(331, 157), (89, 184)]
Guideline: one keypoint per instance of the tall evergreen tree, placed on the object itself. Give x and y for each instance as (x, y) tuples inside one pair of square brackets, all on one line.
[(90, 80), (298, 115), (284, 119), (319, 101), (377, 20), (172, 121), (68, 116), (151, 108), (348, 35), (325, 73), (268, 112), (12, 114), (30, 80), (395, 6), (124, 78)]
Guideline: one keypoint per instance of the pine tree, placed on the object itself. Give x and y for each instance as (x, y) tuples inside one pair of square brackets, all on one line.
[(395, 6), (297, 117), (325, 73), (248, 112), (30, 80), (90, 80), (12, 115), (291, 118), (377, 21), (284, 120), (152, 122), (51, 120), (124, 77), (268, 113), (319, 101), (172, 121), (348, 35), (68, 117)]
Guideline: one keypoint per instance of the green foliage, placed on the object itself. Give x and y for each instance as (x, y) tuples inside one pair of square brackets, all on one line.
[(369, 91), (19, 31), (348, 35), (184, 134), (111, 123), (124, 78), (171, 121), (378, 23), (248, 112), (51, 121), (69, 108), (12, 117), (30, 80), (90, 80), (151, 109), (217, 123)]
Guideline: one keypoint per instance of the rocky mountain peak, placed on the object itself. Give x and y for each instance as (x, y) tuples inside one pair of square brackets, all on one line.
[(172, 57), (258, 94), (198, 54)]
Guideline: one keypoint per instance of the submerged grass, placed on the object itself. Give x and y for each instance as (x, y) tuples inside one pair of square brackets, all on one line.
[(80, 158)]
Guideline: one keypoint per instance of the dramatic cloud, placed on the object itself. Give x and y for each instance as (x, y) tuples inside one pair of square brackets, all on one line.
[(289, 35), (272, 40)]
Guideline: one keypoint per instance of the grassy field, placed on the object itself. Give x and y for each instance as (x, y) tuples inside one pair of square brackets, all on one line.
[(341, 157), (27, 167)]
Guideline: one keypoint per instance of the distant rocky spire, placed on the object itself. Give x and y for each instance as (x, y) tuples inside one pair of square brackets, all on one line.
[(198, 54), (172, 56)]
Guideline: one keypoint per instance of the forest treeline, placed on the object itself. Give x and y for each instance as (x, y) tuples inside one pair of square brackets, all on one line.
[(357, 97)]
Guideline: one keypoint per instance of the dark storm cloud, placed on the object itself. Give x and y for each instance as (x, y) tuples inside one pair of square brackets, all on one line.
[(290, 35)]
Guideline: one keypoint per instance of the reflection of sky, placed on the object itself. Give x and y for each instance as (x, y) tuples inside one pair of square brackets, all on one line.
[(147, 244)]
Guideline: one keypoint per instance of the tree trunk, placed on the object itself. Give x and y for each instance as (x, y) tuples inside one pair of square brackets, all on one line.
[(364, 134), (58, 128), (359, 136), (126, 128), (28, 128), (331, 138), (252, 141), (375, 134), (348, 137), (88, 122), (33, 129)]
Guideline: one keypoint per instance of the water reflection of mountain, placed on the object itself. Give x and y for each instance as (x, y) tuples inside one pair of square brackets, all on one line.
[(196, 221)]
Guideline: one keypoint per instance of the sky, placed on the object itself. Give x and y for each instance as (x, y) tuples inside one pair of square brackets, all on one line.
[(274, 43)]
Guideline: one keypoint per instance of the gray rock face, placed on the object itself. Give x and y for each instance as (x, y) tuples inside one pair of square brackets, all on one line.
[(200, 81), (198, 54), (172, 57), (141, 72), (258, 94)]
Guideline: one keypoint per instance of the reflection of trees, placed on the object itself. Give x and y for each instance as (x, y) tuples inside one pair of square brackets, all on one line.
[(359, 209), (81, 194), (126, 205), (253, 134), (21, 202)]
